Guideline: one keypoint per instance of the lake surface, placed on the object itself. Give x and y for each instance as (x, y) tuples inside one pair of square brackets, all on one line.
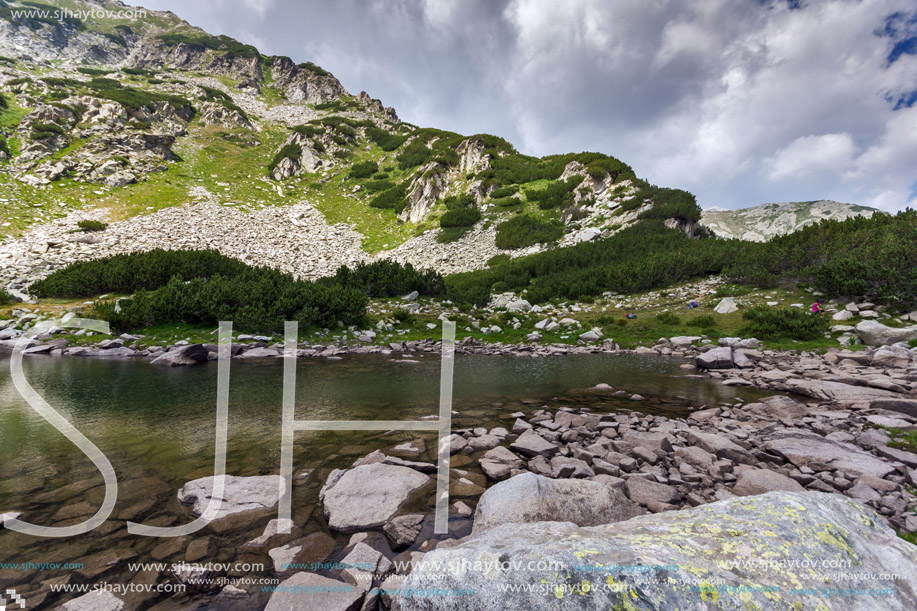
[(156, 426)]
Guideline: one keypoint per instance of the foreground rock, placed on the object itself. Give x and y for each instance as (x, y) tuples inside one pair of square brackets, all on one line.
[(368, 496), (535, 498), (311, 591), (825, 530)]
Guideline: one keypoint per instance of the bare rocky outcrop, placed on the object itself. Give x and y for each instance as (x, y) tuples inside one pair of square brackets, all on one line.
[(219, 114), (301, 84), (760, 223)]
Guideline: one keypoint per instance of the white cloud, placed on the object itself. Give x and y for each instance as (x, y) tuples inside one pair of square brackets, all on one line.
[(810, 155)]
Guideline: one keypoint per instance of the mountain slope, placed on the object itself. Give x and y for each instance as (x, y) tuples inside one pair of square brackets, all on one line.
[(761, 223), (113, 118)]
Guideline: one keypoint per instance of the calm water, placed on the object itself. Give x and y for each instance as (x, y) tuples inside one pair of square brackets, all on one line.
[(156, 426)]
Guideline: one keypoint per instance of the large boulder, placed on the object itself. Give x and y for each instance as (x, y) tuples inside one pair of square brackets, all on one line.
[(191, 354), (802, 448), (759, 481), (836, 391), (499, 462), (876, 334), (368, 496), (717, 358), (700, 558), (240, 494), (531, 443), (534, 498)]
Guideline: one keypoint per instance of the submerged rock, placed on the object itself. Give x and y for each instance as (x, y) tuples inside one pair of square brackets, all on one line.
[(240, 494), (368, 496), (696, 546)]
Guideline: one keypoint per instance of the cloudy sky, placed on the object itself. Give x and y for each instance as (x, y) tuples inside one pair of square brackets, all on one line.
[(739, 101)]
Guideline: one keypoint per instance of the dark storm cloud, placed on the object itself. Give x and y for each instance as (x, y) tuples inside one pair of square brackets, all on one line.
[(739, 101)]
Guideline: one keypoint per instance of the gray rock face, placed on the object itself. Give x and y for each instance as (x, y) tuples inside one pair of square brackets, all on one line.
[(759, 481), (403, 530), (718, 358), (240, 494), (312, 591), (498, 462), (191, 354), (531, 443), (836, 391), (824, 528), (761, 223), (876, 334), (802, 449), (645, 491), (368, 496), (534, 498)]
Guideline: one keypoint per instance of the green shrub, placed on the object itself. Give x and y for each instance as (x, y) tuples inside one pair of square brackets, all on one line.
[(364, 169), (138, 72), (500, 259), (556, 194), (91, 225), (291, 151), (94, 71), (912, 343), (763, 322), (447, 235), (525, 230), (403, 317), (342, 154), (41, 131), (504, 191), (506, 202), (216, 43), (704, 322), (378, 185), (415, 154), (309, 130), (394, 198), (669, 203), (6, 298), (4, 146), (386, 278), (258, 299), (874, 258), (318, 70), (383, 139), (667, 318), (460, 217), (644, 256)]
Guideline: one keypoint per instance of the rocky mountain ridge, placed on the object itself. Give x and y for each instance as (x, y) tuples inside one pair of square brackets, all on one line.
[(761, 223), (126, 116)]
